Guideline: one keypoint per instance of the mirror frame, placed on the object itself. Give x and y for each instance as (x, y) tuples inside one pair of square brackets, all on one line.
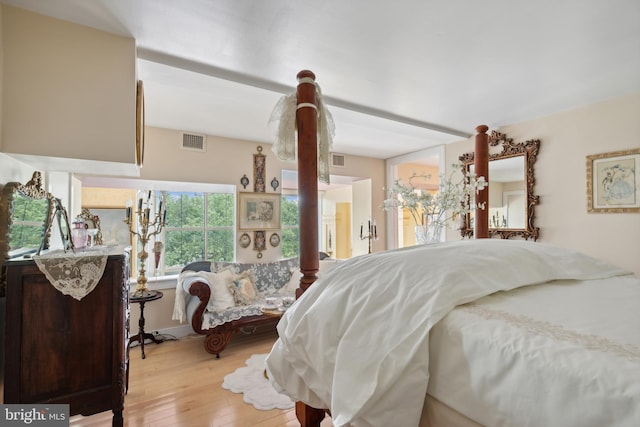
[(33, 190), (529, 150)]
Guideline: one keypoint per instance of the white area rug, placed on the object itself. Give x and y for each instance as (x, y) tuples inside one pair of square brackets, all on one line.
[(257, 389)]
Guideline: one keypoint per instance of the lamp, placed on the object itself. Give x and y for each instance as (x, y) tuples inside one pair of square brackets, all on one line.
[(144, 228)]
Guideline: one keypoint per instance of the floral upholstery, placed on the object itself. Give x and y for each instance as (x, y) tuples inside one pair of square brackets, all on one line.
[(271, 278)]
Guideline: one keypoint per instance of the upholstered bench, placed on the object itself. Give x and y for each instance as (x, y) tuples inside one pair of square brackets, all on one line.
[(220, 298)]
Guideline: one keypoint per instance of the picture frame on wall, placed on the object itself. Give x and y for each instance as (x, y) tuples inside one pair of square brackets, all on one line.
[(258, 211), (613, 182)]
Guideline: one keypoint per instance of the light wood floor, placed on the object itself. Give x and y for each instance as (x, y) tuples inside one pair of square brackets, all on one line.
[(179, 384)]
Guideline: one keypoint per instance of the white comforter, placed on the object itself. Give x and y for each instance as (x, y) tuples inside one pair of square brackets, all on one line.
[(357, 341), (565, 353)]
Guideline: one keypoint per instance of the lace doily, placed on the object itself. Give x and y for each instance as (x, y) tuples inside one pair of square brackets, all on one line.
[(75, 274)]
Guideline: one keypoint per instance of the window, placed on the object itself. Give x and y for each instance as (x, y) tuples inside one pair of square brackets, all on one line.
[(199, 226), (290, 240)]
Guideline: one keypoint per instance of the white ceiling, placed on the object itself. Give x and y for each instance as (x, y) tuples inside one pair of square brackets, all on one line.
[(397, 76)]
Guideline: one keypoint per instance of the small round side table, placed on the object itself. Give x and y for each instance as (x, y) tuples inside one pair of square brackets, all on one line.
[(142, 335)]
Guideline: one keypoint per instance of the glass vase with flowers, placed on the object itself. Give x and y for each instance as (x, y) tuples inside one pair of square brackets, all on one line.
[(433, 211)]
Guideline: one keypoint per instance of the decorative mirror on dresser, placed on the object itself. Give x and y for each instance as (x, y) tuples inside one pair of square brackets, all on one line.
[(27, 215), (26, 211), (512, 200)]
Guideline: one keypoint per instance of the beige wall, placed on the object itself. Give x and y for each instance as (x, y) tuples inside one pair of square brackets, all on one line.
[(566, 139), (76, 83)]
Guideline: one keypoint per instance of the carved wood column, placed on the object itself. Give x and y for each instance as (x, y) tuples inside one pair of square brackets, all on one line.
[(307, 124), (481, 168)]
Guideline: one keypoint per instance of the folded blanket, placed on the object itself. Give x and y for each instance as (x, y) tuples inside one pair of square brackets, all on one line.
[(185, 280)]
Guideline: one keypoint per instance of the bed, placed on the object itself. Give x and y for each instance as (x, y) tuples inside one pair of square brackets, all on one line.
[(504, 332), (467, 333)]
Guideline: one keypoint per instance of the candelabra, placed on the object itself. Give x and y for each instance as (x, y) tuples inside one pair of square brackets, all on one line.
[(497, 222), (144, 228), (372, 233)]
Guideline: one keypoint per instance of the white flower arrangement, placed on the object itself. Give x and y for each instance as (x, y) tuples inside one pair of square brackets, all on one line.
[(438, 210)]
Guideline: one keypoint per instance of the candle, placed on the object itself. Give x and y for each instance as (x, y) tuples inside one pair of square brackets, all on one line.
[(128, 214), (164, 216), (360, 230), (160, 207), (140, 203)]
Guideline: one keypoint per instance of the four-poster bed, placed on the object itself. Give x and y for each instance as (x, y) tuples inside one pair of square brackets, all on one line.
[(467, 333)]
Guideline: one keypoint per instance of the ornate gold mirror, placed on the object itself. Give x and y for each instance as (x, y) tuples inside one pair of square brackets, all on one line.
[(511, 180), (25, 215)]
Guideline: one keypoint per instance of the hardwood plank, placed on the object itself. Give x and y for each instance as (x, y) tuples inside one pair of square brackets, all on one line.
[(180, 384)]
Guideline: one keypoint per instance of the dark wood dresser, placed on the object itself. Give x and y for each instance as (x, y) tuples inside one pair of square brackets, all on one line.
[(62, 350)]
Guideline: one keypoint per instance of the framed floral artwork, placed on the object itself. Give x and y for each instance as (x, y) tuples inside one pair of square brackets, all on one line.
[(613, 182), (258, 211)]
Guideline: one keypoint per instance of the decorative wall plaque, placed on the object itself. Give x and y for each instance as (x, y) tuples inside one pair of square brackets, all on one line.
[(259, 166), (244, 181), (259, 242)]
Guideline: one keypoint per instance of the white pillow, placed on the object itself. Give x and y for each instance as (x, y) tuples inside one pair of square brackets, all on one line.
[(221, 298), (293, 283)]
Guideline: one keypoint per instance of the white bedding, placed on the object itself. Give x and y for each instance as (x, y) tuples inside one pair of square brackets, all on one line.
[(564, 354), (357, 341)]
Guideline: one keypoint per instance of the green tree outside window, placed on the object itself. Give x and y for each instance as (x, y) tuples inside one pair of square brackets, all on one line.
[(290, 239), (199, 226)]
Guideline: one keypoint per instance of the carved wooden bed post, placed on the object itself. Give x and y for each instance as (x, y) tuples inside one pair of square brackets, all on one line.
[(307, 124), (481, 168)]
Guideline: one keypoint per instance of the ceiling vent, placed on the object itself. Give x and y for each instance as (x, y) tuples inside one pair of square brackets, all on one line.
[(194, 142), (337, 160)]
